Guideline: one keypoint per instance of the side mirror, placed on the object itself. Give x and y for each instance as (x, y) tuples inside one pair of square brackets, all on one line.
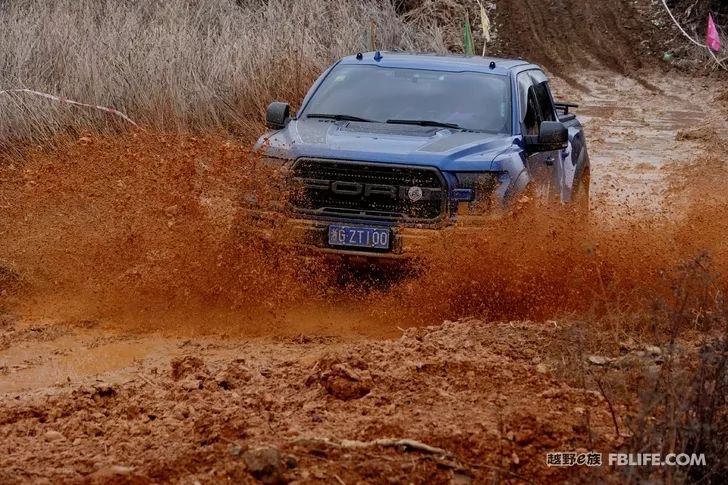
[(553, 135), (277, 115)]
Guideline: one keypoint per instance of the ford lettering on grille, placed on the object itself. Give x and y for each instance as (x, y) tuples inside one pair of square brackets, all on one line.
[(363, 190), (342, 187)]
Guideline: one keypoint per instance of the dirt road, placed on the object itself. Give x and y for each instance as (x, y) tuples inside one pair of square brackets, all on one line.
[(135, 348)]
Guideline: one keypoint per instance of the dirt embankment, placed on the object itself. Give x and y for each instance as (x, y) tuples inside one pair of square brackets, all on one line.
[(568, 34), (628, 37)]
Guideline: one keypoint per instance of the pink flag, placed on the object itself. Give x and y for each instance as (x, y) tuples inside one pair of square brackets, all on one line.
[(713, 37)]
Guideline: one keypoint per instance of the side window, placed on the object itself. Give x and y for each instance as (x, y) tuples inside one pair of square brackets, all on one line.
[(545, 104), (524, 83), (536, 102), (529, 104), (532, 119)]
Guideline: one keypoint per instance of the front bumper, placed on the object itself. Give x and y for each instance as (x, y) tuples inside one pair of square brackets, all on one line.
[(311, 235)]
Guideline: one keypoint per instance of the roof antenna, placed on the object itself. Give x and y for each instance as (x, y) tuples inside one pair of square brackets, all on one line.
[(492, 64), (377, 56)]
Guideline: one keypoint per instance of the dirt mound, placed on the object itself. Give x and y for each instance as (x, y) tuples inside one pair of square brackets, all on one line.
[(186, 365), (630, 38), (568, 35), (343, 380)]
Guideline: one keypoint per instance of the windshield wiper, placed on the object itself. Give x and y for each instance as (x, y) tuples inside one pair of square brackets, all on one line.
[(338, 117), (424, 123)]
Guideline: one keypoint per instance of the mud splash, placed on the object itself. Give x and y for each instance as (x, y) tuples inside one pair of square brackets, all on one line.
[(140, 223), (542, 266), (143, 230)]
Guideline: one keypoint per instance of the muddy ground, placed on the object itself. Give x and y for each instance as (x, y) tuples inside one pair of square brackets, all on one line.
[(140, 343)]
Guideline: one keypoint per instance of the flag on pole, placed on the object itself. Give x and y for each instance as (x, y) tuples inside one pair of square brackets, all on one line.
[(485, 25), (713, 38), (373, 36), (468, 38)]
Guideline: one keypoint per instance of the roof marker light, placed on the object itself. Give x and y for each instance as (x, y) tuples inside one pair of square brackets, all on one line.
[(377, 56), (492, 64), (359, 56)]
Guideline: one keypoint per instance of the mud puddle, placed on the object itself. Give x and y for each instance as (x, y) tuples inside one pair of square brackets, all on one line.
[(44, 354), (634, 133), (70, 359)]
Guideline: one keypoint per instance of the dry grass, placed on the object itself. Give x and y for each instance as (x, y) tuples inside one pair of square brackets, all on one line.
[(179, 64), (683, 407), (675, 402)]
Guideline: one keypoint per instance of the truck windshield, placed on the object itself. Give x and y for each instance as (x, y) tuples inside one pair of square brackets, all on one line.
[(466, 100)]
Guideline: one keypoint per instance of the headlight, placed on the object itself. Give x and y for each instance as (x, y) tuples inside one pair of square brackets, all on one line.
[(483, 189)]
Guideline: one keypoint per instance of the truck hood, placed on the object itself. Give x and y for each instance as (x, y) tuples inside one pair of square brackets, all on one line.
[(447, 149)]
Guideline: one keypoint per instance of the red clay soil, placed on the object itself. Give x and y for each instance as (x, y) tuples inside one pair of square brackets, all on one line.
[(486, 394)]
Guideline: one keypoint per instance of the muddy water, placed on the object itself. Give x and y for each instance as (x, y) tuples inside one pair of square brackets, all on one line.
[(152, 267), (71, 358), (631, 134)]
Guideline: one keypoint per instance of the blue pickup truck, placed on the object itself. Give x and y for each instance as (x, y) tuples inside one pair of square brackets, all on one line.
[(391, 149)]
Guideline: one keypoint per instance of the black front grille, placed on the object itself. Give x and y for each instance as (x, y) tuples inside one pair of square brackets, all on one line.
[(366, 190)]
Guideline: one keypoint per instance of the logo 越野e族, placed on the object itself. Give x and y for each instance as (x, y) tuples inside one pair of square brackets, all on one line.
[(414, 194)]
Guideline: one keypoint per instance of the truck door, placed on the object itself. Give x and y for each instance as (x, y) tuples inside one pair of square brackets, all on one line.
[(537, 106)]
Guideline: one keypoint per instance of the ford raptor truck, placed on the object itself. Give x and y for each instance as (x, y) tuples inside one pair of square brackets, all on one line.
[(389, 150)]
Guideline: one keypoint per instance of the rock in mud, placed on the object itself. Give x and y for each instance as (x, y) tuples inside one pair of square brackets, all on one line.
[(653, 350), (598, 360), (104, 389), (184, 366), (53, 436), (234, 450), (461, 477), (112, 474), (121, 470), (191, 384), (346, 383), (264, 464), (234, 376)]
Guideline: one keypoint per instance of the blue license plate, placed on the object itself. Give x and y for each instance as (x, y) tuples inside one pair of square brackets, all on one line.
[(360, 237)]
